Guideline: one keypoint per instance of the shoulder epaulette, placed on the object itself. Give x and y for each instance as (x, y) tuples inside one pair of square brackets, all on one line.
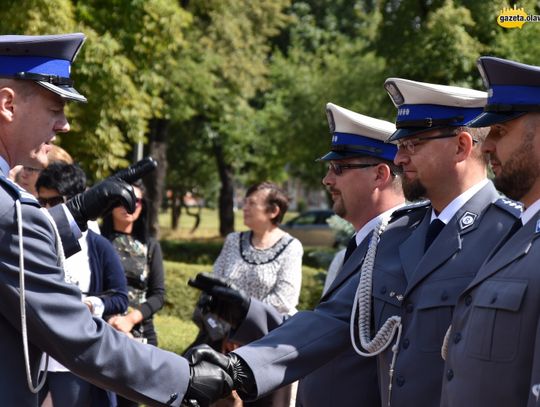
[(509, 205), (17, 192), (411, 208)]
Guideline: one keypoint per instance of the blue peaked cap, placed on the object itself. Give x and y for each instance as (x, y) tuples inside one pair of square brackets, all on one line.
[(45, 59), (426, 106), (356, 135), (513, 90)]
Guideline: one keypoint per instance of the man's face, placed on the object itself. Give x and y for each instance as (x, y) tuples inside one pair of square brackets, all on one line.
[(36, 120), (512, 148), (424, 161), (351, 189)]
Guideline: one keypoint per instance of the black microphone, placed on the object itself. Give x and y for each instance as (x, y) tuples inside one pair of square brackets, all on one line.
[(137, 170)]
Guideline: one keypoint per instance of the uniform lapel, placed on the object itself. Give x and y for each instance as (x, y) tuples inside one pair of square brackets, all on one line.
[(411, 250), (351, 266), (449, 241), (517, 246)]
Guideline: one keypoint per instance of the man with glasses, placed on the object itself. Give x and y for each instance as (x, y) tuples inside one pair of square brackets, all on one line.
[(416, 284), (365, 187), (417, 275), (494, 348)]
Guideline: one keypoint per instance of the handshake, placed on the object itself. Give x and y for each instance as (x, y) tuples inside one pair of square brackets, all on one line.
[(212, 374)]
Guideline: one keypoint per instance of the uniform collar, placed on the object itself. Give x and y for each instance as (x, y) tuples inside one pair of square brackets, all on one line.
[(454, 206), (368, 227)]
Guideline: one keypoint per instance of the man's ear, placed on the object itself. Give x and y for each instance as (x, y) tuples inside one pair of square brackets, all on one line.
[(464, 145), (383, 174), (7, 110)]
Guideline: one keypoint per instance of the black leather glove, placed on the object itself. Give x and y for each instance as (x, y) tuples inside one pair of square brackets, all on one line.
[(225, 300), (237, 370), (100, 199)]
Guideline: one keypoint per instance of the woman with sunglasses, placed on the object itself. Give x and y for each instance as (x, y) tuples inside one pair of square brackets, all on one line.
[(98, 273), (143, 267)]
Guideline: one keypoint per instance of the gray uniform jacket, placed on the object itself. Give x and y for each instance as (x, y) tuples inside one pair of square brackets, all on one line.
[(310, 339), (423, 289), (59, 323), (348, 380), (494, 351)]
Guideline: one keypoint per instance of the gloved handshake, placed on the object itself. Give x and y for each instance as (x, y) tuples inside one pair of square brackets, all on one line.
[(214, 376)]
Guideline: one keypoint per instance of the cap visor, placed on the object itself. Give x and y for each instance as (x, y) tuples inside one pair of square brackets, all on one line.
[(334, 155), (66, 92), (407, 132), (489, 118)]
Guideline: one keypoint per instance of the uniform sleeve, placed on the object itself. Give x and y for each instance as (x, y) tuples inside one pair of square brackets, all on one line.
[(155, 293), (534, 388), (115, 298), (286, 292), (59, 323)]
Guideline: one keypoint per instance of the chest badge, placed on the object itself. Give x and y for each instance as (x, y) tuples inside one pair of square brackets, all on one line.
[(467, 220)]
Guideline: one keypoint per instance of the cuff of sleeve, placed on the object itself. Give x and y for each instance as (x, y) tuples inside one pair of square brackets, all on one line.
[(97, 306)]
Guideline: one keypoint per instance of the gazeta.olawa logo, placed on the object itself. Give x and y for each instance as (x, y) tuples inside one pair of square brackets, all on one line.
[(515, 17)]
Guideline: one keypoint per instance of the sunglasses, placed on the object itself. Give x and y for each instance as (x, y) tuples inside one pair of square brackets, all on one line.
[(52, 201), (337, 168)]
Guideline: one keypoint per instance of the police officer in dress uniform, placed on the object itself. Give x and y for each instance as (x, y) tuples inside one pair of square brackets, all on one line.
[(39, 312), (420, 280), (442, 161), (494, 342), (365, 187)]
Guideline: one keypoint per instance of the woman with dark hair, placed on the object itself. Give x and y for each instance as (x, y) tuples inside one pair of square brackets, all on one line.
[(265, 262), (143, 266)]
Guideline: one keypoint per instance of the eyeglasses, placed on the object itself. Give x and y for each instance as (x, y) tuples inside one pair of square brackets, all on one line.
[(338, 168), (52, 201), (410, 144)]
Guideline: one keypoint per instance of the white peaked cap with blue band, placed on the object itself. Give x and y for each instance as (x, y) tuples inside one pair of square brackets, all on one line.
[(356, 135), (513, 90), (426, 106), (44, 59)]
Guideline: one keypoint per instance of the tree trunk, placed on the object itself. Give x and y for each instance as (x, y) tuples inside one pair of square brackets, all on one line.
[(155, 182), (226, 192), (176, 209)]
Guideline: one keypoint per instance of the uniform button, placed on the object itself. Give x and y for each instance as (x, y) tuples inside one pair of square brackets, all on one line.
[(172, 398), (444, 296), (400, 380), (405, 344), (468, 300), (409, 308), (449, 374), (457, 337), (383, 290)]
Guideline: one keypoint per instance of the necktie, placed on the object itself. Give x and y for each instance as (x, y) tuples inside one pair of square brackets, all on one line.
[(350, 248), (434, 229)]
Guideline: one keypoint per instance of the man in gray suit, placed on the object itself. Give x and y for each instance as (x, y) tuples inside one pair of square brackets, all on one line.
[(365, 187), (441, 159), (39, 312), (494, 348)]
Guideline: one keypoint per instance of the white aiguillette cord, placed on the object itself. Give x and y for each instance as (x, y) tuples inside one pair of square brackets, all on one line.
[(362, 302), (22, 296)]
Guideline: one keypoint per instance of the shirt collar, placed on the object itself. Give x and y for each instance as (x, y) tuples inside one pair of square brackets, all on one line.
[(528, 213), (368, 227), (450, 210), (4, 166)]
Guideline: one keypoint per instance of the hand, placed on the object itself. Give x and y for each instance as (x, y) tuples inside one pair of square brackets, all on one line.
[(100, 199), (208, 383), (232, 364), (121, 323), (225, 300)]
